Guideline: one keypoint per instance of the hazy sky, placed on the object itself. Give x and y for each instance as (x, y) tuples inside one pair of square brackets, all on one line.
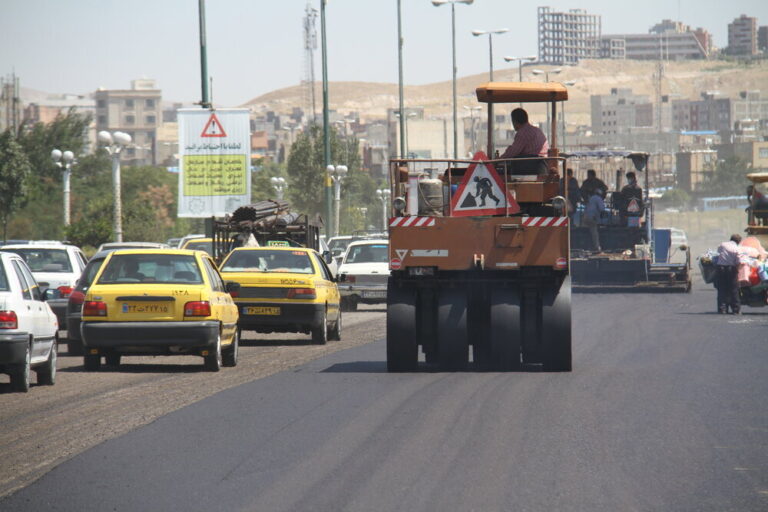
[(256, 46)]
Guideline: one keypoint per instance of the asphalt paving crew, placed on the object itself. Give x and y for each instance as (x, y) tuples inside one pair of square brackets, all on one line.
[(591, 183), (727, 280)]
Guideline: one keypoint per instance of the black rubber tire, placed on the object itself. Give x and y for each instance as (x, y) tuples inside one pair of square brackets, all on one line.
[(46, 374), (230, 354), (402, 346), (92, 362), (112, 359), (20, 377), (212, 362), (320, 332), (345, 306), (556, 328), (335, 334), (74, 347), (506, 333), (452, 329)]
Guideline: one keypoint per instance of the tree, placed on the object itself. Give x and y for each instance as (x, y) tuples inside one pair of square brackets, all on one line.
[(14, 171), (729, 177)]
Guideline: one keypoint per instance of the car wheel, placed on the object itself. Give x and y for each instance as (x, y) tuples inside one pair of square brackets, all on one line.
[(20, 377), (212, 362), (320, 333), (335, 334), (112, 359), (229, 356), (92, 362), (46, 375)]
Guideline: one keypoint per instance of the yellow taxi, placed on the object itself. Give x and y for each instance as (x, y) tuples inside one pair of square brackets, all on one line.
[(199, 244), (159, 302), (284, 289)]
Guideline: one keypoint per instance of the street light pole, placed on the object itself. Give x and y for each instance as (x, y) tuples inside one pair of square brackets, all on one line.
[(114, 144), (68, 157), (569, 83), (453, 3), (326, 123), (400, 78), (490, 33), (337, 173), (383, 194), (472, 125), (546, 79)]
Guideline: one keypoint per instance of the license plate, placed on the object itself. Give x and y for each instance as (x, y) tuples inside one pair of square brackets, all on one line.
[(261, 310), (146, 308), (375, 295)]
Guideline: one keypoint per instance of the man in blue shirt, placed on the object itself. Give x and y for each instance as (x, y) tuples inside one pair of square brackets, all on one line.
[(594, 209)]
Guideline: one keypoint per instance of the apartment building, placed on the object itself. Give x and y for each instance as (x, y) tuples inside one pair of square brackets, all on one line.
[(567, 37), (668, 40), (742, 36), (622, 111), (135, 111)]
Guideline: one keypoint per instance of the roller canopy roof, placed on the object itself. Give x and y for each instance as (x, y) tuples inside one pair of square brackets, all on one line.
[(758, 177), (511, 92)]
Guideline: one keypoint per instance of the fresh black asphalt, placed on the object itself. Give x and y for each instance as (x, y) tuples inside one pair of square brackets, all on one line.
[(666, 409)]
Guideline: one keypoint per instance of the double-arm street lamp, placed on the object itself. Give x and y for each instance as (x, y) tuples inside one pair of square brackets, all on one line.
[(546, 79), (520, 60), (114, 144), (490, 33), (453, 3), (65, 160), (337, 174), (383, 194), (278, 183)]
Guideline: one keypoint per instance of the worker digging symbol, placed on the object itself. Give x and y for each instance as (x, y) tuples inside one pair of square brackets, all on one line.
[(484, 188), (480, 182)]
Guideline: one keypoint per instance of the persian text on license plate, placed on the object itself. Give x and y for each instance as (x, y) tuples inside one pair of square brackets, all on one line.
[(146, 308), (375, 295), (261, 310)]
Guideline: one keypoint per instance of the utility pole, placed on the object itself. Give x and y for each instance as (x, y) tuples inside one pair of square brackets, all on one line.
[(205, 102), (326, 123)]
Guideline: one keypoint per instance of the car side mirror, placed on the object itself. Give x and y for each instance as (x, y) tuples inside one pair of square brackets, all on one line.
[(683, 247), (328, 257), (51, 293), (231, 286)]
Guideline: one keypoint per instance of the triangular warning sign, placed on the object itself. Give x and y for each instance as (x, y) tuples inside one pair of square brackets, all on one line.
[(213, 127), (482, 192)]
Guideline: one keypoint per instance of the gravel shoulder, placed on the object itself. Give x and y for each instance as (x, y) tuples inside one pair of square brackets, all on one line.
[(49, 425)]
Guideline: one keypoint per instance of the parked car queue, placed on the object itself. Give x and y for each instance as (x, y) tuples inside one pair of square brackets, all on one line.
[(164, 302)]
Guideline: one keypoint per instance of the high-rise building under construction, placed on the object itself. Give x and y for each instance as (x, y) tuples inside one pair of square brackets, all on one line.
[(567, 37)]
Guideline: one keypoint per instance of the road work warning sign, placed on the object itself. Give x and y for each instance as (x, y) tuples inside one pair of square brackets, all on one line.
[(482, 191), (214, 161)]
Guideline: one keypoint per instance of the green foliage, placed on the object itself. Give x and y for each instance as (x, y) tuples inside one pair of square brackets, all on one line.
[(261, 188), (676, 198), (306, 179), (729, 178), (14, 171)]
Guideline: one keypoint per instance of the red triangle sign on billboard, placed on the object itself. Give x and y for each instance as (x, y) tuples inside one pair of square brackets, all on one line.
[(482, 192), (213, 127)]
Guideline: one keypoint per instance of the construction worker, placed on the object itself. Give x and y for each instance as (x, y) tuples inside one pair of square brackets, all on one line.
[(591, 219)]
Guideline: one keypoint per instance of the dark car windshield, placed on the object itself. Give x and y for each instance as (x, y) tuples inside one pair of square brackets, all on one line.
[(368, 253), (266, 260), (151, 268), (89, 273), (44, 260)]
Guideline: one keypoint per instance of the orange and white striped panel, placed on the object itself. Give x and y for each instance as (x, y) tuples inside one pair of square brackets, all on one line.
[(541, 222), (416, 222)]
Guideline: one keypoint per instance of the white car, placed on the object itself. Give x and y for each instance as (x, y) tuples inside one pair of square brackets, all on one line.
[(27, 326), (363, 273), (56, 266)]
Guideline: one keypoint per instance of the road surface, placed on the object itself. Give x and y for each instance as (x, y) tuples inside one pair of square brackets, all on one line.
[(666, 409)]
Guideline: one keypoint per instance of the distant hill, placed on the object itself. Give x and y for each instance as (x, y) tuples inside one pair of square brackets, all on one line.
[(683, 79)]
